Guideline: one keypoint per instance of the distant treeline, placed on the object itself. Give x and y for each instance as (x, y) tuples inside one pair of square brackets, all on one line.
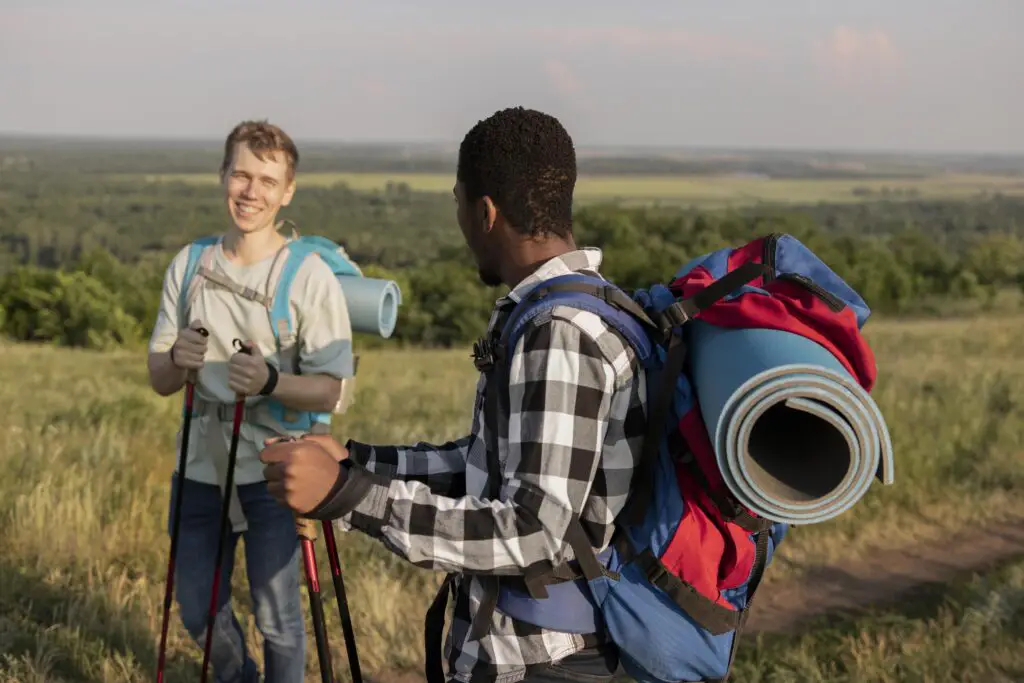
[(84, 258), (115, 156), (52, 219)]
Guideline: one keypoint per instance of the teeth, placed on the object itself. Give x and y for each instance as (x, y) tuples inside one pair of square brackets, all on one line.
[(247, 209)]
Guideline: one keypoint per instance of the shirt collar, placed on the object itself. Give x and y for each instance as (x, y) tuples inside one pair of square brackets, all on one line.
[(585, 258)]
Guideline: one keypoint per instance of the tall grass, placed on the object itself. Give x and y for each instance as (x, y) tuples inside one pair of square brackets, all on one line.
[(87, 451)]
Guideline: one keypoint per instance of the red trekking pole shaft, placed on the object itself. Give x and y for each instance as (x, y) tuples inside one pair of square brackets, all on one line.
[(339, 592), (186, 427), (225, 511), (307, 534)]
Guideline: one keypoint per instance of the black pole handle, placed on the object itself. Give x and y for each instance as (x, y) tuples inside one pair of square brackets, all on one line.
[(241, 347)]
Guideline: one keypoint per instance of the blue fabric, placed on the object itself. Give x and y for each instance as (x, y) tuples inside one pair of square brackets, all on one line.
[(791, 256), (272, 556)]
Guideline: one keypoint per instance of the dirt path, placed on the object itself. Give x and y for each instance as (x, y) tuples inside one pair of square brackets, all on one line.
[(885, 577)]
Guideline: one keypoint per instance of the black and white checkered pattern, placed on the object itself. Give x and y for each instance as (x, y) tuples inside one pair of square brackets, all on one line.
[(573, 437)]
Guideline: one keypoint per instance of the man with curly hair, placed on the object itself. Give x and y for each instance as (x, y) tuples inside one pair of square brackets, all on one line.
[(539, 480)]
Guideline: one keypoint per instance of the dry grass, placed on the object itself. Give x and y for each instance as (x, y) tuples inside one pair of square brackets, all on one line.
[(87, 451), (969, 632), (705, 191)]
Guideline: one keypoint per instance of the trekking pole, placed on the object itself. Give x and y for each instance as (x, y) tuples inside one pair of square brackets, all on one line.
[(236, 430), (339, 591), (307, 532), (190, 390)]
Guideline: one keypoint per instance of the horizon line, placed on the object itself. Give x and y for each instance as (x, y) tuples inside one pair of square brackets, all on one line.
[(595, 147)]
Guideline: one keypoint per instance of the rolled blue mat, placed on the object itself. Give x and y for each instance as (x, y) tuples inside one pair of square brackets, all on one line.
[(796, 438), (372, 304)]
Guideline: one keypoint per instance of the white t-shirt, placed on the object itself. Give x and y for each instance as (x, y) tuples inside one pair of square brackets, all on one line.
[(323, 345)]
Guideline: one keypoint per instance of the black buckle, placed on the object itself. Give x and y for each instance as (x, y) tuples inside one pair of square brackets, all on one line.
[(676, 315), (486, 354)]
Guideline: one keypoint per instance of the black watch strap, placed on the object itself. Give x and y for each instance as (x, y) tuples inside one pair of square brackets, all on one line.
[(272, 376)]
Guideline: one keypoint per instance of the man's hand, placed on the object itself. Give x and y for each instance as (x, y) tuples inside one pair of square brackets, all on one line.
[(189, 348), (247, 372), (300, 474), (329, 444)]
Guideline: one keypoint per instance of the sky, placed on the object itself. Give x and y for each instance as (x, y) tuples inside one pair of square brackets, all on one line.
[(899, 75)]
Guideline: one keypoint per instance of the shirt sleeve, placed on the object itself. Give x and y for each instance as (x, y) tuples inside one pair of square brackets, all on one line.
[(561, 388), (441, 468), (323, 324), (166, 328)]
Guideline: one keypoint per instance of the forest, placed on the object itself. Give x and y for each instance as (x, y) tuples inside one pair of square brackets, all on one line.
[(83, 252)]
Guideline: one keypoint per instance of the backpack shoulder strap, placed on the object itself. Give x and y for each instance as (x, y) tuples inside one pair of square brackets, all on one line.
[(581, 291), (585, 292), (279, 284), (200, 251)]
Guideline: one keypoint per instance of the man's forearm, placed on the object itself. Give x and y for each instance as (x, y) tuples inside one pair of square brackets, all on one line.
[(165, 377), (307, 392)]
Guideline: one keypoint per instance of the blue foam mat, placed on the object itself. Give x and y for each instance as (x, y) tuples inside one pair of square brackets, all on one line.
[(372, 304), (739, 374)]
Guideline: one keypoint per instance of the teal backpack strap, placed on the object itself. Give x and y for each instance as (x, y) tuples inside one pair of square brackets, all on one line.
[(189, 285), (284, 333), (283, 326), (186, 293)]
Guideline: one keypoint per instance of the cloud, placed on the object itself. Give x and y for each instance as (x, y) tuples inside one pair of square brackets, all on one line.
[(649, 41), (562, 78), (857, 56)]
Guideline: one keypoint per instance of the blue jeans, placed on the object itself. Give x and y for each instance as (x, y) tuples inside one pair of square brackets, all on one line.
[(272, 557)]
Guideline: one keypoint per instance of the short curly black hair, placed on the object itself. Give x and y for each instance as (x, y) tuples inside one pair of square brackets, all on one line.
[(525, 161)]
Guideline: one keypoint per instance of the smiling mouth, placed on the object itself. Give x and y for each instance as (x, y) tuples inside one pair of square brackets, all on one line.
[(245, 210)]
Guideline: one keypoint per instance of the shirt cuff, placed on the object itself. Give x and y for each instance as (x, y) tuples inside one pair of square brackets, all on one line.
[(358, 452), (360, 495)]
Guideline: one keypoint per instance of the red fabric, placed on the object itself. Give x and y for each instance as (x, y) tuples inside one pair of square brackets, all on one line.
[(790, 308), (706, 552)]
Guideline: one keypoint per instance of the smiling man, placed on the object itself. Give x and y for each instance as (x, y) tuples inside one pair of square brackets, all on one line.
[(229, 295)]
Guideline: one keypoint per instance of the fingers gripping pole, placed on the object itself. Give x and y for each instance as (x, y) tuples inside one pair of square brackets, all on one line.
[(307, 533), (186, 428), (339, 591), (236, 430)]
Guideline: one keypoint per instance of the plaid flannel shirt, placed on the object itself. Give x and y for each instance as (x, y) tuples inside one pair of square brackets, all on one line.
[(573, 438)]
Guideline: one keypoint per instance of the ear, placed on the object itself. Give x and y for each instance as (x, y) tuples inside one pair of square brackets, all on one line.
[(288, 194), (487, 213)]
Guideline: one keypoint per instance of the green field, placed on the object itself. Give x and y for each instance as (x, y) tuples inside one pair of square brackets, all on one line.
[(88, 449), (704, 191)]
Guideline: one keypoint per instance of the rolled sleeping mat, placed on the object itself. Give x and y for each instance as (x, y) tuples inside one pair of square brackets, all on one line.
[(372, 304), (796, 438)]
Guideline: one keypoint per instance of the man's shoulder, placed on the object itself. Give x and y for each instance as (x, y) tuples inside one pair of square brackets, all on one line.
[(175, 271), (312, 274), (598, 336)]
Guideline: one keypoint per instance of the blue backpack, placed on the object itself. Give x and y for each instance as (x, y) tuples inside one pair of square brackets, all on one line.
[(275, 300), (673, 588)]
